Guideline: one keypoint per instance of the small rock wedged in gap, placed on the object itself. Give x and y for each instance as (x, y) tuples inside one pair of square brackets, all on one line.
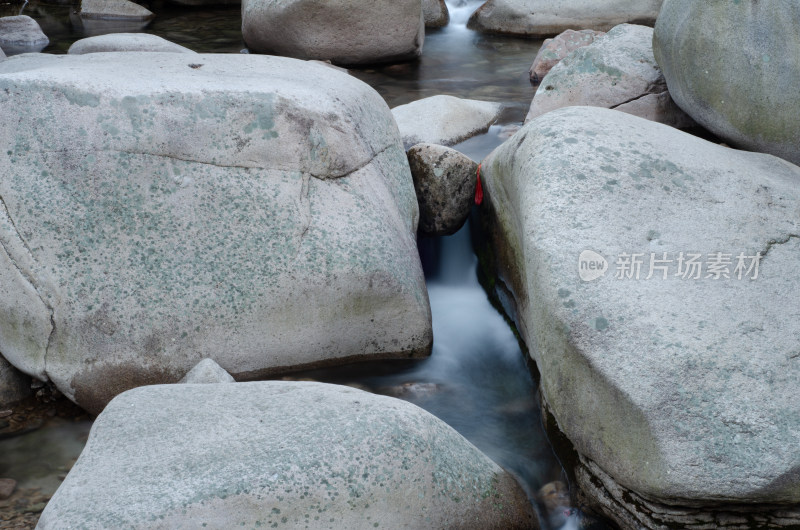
[(445, 182), (207, 371)]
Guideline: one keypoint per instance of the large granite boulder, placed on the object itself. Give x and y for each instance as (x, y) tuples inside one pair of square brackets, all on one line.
[(555, 49), (546, 18), (735, 68), (161, 208), (21, 34), (444, 120), (125, 42), (616, 71), (675, 379), (342, 31), (445, 182), (280, 454)]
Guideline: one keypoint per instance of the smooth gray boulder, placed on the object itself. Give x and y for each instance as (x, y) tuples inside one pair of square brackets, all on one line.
[(162, 208), (682, 391), (435, 13), (114, 10), (342, 31), (735, 69), (445, 181), (616, 71), (444, 120), (555, 49), (207, 372), (546, 18), (21, 34), (125, 42), (14, 385), (280, 454)]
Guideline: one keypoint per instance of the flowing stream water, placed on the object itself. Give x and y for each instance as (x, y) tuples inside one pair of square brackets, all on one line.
[(477, 379)]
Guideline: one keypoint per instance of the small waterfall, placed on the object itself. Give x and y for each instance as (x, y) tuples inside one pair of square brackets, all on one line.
[(460, 10)]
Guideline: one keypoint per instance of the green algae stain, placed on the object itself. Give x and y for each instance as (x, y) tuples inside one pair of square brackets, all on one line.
[(82, 99)]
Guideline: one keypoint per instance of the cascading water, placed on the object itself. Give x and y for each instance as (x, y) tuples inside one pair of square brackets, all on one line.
[(460, 11)]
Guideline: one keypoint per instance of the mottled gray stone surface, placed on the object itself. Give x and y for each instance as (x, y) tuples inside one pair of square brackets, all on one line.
[(283, 455), (616, 71), (555, 49), (163, 208), (682, 389)]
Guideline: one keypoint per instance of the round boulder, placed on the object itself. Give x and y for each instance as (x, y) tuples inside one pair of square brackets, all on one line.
[(342, 31), (735, 68), (21, 34)]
